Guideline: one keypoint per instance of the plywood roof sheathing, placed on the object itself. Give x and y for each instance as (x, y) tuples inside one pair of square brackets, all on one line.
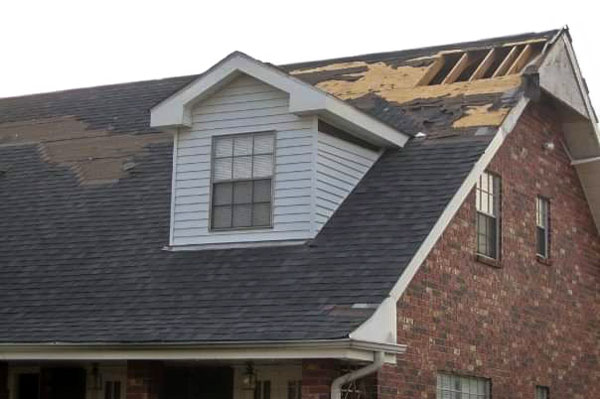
[(460, 66), (430, 73), (503, 68), (521, 60), (484, 66)]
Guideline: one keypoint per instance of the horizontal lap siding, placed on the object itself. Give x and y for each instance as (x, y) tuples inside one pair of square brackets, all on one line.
[(340, 166), (245, 105)]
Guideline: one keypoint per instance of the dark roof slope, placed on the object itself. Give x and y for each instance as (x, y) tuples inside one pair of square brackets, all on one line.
[(85, 262)]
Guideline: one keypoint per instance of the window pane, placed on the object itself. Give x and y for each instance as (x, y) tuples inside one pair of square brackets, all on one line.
[(242, 168), (242, 145), (221, 217), (263, 144), (117, 386), (222, 194), (223, 147), (541, 241), (262, 191), (458, 387), (242, 188), (222, 169), (294, 390), (261, 215), (242, 192), (242, 215), (486, 235), (263, 166)]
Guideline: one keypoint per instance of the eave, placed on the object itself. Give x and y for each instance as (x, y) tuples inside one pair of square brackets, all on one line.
[(346, 349)]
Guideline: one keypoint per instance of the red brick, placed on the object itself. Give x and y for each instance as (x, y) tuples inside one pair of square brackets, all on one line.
[(525, 323)]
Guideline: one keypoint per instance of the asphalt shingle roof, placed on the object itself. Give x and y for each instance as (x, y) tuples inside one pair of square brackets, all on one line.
[(85, 263)]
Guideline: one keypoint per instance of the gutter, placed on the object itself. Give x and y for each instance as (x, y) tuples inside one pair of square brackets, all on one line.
[(336, 385), (345, 348)]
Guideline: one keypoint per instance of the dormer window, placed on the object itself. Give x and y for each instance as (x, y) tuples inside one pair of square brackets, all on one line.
[(242, 173)]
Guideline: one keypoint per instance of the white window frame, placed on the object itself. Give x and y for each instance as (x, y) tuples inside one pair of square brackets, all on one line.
[(212, 183), (453, 386), (542, 221), (488, 204)]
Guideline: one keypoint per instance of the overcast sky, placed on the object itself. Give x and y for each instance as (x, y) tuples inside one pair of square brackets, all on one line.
[(54, 45)]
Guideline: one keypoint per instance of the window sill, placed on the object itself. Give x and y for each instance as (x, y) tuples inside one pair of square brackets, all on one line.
[(543, 260), (488, 261)]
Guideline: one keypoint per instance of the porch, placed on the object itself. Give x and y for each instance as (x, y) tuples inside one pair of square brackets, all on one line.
[(151, 379)]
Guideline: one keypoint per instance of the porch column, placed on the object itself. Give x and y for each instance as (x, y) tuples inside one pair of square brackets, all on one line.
[(3, 380), (144, 379), (317, 376)]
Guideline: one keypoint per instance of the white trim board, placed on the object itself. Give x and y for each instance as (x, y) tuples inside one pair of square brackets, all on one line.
[(305, 99), (346, 349)]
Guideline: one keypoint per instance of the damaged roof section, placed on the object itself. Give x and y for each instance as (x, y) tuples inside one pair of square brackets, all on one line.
[(97, 132), (96, 156), (442, 90)]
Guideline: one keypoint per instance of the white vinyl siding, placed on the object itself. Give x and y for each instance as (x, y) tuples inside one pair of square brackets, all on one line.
[(340, 166), (245, 105)]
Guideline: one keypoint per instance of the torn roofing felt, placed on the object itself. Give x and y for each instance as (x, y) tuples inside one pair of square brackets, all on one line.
[(84, 262)]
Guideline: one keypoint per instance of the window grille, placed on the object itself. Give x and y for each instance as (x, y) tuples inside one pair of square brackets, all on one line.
[(242, 177)]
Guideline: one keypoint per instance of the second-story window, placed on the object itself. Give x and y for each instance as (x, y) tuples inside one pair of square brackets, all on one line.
[(242, 177), (488, 215), (462, 387), (542, 231)]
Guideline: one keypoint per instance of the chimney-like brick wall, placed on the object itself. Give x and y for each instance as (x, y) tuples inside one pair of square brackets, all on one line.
[(526, 322)]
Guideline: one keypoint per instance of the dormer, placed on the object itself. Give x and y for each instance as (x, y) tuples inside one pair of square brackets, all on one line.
[(260, 157)]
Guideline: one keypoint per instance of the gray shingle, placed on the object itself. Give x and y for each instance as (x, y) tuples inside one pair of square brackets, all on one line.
[(84, 263)]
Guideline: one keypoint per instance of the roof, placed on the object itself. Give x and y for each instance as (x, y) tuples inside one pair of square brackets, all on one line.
[(81, 251)]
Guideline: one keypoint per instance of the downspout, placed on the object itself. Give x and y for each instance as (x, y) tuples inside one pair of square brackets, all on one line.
[(336, 385)]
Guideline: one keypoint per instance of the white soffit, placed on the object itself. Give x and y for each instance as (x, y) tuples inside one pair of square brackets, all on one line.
[(561, 76), (175, 111)]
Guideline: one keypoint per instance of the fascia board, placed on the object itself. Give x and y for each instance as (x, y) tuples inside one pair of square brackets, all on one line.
[(346, 349)]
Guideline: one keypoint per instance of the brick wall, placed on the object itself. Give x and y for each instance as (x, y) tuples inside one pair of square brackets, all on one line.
[(524, 323), (144, 379), (317, 376)]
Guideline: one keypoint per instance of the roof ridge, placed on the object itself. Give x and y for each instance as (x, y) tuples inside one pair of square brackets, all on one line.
[(308, 63), (490, 40), (75, 89)]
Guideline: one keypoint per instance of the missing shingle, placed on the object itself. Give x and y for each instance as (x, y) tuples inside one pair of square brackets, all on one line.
[(96, 156), (473, 65)]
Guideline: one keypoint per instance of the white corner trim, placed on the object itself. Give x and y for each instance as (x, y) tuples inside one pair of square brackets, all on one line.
[(173, 188), (388, 306), (305, 99)]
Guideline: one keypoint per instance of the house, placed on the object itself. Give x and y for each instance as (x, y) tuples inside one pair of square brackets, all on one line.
[(415, 224)]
